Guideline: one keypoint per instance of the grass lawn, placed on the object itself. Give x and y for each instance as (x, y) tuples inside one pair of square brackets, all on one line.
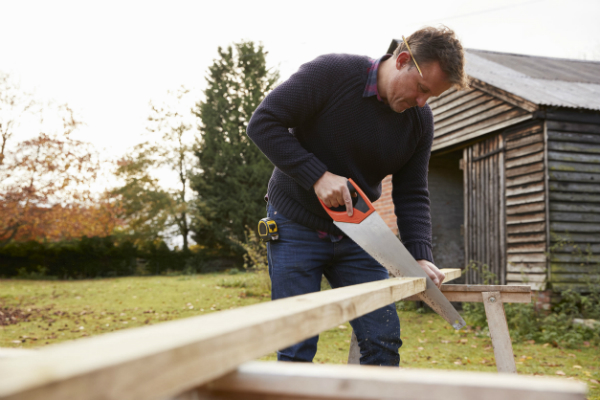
[(41, 313)]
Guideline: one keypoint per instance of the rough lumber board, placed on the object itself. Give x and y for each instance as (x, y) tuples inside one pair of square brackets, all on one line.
[(573, 167), (496, 318), (504, 95), (471, 132), (574, 176), (525, 219), (573, 147), (526, 140), (451, 273), (527, 169), (169, 358), (581, 197), (301, 380), (472, 293), (573, 157), (573, 127), (524, 179), (526, 208)]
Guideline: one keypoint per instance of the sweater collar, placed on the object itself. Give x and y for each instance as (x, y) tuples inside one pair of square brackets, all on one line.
[(371, 87)]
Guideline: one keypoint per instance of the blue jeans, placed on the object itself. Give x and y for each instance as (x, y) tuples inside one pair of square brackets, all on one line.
[(297, 262)]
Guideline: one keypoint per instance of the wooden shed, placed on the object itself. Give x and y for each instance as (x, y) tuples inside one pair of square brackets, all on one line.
[(514, 176)]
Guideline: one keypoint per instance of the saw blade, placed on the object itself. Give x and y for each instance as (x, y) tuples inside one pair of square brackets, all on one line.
[(376, 238)]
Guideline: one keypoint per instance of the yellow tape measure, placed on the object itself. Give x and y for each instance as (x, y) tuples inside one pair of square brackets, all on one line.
[(267, 230)]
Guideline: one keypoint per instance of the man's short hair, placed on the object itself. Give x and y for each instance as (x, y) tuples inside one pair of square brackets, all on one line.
[(438, 44)]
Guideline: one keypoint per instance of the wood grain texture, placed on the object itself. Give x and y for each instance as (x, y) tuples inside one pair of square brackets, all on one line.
[(162, 360), (494, 311), (371, 382)]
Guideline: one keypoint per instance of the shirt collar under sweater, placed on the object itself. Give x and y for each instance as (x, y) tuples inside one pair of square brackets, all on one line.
[(371, 87)]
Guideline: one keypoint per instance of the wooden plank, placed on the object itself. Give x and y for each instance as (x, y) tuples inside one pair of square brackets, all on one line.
[(576, 278), (573, 258), (525, 189), (526, 257), (504, 95), (573, 147), (534, 285), (527, 248), (573, 127), (587, 248), (525, 170), (574, 176), (525, 130), (575, 187), (581, 197), (478, 110), (527, 268), (165, 359), (486, 288), (577, 287), (526, 238), (525, 150), (573, 157), (525, 218), (533, 278), (574, 268), (472, 293), (483, 119), (460, 104), (535, 137), (574, 217), (475, 131), (502, 211), (526, 199), (320, 381), (573, 167), (530, 159), (525, 179), (525, 208), (578, 227), (526, 228), (503, 352), (573, 137), (575, 237), (449, 97), (575, 207)]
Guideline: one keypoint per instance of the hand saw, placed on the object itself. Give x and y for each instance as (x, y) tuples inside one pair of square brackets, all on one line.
[(371, 233)]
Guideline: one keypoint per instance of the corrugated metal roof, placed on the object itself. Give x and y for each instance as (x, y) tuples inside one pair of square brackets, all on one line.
[(541, 80)]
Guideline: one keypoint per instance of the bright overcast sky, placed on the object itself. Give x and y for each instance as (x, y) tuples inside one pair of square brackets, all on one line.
[(107, 59)]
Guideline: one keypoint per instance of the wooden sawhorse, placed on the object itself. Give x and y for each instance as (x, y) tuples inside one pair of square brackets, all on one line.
[(493, 297)]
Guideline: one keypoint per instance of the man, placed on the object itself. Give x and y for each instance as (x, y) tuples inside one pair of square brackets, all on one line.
[(345, 116)]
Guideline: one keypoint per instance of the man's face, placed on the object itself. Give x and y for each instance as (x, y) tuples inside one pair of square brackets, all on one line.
[(407, 89)]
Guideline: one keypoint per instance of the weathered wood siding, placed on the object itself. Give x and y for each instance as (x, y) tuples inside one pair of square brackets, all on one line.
[(461, 116), (483, 168), (574, 194), (526, 230)]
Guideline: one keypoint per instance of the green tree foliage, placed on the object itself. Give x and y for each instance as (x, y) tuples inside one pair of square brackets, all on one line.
[(150, 210), (234, 173)]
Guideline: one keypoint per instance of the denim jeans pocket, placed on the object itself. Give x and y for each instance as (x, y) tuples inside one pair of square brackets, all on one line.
[(278, 217)]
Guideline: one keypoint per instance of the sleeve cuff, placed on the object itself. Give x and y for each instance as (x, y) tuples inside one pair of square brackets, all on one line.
[(420, 251), (310, 173)]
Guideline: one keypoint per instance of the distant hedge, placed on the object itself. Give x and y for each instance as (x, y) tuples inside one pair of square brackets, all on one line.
[(88, 258)]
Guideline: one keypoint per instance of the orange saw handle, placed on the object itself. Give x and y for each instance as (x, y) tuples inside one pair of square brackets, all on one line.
[(361, 204)]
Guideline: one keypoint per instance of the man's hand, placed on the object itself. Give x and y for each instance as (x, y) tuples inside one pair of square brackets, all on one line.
[(333, 190), (433, 272)]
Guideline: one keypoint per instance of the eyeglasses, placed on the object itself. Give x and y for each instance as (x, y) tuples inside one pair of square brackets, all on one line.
[(411, 55)]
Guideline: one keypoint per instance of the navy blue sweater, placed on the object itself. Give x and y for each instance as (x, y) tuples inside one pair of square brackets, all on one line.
[(318, 120)]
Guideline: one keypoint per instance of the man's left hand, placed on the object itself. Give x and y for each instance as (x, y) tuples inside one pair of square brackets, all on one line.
[(433, 272)]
